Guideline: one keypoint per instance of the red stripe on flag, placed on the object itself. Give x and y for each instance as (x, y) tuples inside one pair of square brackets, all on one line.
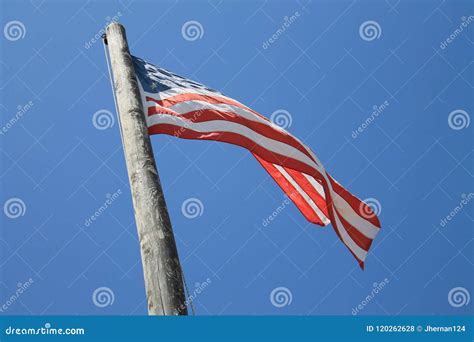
[(357, 205), (203, 115), (292, 193), (171, 101), (234, 139), (360, 239), (274, 158), (310, 190)]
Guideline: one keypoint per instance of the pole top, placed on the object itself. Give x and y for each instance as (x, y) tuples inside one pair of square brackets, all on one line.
[(113, 26)]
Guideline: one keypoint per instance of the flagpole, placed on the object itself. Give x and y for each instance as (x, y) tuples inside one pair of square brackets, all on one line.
[(161, 267)]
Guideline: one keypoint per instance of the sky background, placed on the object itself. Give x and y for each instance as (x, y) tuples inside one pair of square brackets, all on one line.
[(59, 165)]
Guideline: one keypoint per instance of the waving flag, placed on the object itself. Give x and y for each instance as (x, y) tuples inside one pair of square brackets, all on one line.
[(186, 109)]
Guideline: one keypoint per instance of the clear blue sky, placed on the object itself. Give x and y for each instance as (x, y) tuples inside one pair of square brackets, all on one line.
[(320, 70)]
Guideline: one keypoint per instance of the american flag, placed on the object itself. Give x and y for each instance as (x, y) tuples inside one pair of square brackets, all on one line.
[(177, 106)]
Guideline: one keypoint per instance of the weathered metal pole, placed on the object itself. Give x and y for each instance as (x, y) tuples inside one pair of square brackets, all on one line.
[(161, 267)]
